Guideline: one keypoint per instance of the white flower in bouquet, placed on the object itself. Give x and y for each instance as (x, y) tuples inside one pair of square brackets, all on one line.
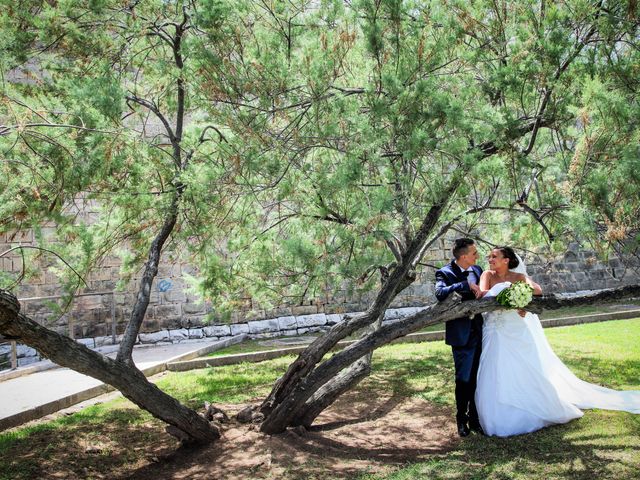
[(518, 295)]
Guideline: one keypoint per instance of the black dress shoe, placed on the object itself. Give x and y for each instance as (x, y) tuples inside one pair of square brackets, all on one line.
[(476, 427), (463, 429)]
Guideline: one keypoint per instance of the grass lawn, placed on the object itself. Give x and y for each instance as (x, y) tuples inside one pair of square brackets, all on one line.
[(113, 439)]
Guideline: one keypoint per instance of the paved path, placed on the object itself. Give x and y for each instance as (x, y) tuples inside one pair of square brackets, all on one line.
[(37, 394)]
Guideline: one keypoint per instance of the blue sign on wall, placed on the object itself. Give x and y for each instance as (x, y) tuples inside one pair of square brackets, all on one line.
[(164, 285)]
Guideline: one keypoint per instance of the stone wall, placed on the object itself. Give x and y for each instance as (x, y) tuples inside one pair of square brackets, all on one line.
[(171, 306), (176, 315), (580, 269)]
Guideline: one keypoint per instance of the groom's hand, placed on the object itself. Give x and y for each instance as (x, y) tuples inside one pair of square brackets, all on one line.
[(475, 289)]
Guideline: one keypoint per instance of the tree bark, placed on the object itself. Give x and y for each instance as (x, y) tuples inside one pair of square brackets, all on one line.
[(293, 410), (341, 383), (144, 292), (329, 392), (124, 377), (400, 278)]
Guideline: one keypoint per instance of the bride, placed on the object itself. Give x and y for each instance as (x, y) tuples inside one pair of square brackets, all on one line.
[(522, 385)]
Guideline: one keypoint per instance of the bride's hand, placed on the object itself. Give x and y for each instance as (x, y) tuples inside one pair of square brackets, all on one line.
[(476, 290), (537, 289), (522, 313)]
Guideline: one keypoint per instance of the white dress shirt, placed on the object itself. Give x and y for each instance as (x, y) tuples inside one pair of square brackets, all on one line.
[(472, 278)]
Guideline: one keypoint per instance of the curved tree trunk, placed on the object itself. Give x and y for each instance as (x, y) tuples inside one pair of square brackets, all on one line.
[(401, 277), (123, 376), (338, 385), (330, 391), (325, 383), (144, 292)]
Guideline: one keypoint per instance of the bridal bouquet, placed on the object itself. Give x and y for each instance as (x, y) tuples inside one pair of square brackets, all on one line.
[(517, 295)]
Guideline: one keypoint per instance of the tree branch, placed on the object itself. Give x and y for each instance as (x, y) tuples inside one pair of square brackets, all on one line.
[(126, 378)]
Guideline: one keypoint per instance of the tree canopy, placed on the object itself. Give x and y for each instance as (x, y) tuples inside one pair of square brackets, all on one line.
[(296, 149)]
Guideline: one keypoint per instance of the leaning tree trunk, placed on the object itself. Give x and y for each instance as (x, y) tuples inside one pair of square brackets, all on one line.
[(341, 383), (401, 277), (139, 310), (126, 378), (330, 391), (326, 383)]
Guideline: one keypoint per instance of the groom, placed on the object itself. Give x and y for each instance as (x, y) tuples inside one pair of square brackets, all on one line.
[(464, 335)]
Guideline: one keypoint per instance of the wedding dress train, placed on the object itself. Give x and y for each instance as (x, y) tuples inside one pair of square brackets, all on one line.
[(523, 386)]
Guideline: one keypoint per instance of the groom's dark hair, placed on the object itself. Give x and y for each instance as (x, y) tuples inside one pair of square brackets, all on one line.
[(461, 246)]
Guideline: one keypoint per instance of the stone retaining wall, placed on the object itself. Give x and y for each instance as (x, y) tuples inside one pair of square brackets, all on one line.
[(269, 328), (174, 314)]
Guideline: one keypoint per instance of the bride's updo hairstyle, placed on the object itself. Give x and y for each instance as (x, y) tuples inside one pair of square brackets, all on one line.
[(508, 252)]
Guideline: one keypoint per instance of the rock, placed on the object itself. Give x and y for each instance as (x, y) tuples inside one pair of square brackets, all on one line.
[(27, 361), (392, 314), (179, 334), (25, 351), (87, 342), (263, 326), (316, 320), (161, 336), (196, 333), (257, 417), (239, 328), (213, 413), (217, 331), (246, 414), (287, 323)]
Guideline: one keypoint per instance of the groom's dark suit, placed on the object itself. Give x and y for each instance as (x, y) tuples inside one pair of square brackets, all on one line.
[(465, 337)]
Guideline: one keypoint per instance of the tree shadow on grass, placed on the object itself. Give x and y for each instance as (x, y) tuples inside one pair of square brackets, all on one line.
[(603, 444), (599, 445), (603, 371), (83, 445), (392, 382), (374, 414), (383, 424)]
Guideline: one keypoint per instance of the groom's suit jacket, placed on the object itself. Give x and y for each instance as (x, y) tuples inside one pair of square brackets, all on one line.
[(451, 278)]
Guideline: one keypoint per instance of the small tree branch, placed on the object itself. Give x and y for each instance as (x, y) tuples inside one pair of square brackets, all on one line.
[(156, 111), (19, 247)]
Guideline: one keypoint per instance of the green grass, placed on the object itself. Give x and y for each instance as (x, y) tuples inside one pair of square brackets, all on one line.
[(249, 346), (602, 444), (587, 310), (230, 384)]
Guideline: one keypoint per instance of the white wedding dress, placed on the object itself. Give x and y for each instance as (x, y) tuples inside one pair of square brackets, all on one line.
[(523, 386)]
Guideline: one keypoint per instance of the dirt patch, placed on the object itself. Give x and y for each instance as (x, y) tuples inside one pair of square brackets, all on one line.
[(363, 432), (355, 435)]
